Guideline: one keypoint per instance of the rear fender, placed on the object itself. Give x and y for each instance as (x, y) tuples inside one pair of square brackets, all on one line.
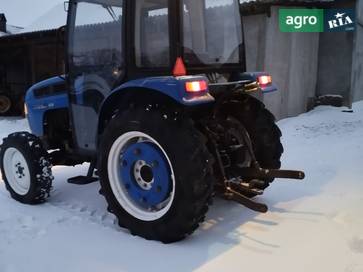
[(174, 87), (168, 91)]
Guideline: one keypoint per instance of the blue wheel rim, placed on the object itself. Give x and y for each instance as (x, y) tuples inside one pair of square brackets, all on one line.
[(145, 174)]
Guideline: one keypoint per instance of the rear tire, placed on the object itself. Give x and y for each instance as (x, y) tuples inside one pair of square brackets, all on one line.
[(261, 126), (25, 168), (178, 146)]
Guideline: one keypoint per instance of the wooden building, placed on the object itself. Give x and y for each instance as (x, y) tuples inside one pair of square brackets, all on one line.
[(27, 58)]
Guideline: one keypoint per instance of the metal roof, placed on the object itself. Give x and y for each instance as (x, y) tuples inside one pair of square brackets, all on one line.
[(250, 7), (10, 29), (256, 2), (28, 35)]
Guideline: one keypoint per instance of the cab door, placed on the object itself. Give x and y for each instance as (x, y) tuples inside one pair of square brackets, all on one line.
[(95, 62)]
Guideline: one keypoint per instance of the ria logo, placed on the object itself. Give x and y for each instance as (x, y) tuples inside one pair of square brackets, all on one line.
[(340, 20)]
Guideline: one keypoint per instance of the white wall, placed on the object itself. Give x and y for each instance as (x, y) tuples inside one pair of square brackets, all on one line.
[(291, 58), (357, 70)]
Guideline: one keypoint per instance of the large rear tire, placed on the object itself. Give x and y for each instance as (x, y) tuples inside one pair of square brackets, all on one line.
[(261, 126), (25, 168), (156, 174)]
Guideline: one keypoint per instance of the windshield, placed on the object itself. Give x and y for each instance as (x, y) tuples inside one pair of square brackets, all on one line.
[(212, 32)]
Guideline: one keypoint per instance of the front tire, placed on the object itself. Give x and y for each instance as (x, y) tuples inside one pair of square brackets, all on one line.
[(25, 168), (169, 200)]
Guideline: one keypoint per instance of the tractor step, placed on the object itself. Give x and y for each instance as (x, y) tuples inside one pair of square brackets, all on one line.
[(232, 194), (82, 180)]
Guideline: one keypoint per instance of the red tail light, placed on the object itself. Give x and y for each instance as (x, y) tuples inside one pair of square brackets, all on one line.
[(196, 86), (264, 80)]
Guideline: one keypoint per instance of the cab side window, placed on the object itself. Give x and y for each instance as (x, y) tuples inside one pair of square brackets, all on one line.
[(152, 33), (97, 42)]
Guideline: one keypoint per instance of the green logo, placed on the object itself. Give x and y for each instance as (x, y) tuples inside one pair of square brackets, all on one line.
[(301, 20)]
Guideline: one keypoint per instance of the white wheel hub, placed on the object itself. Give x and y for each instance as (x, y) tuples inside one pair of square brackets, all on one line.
[(146, 184), (17, 171)]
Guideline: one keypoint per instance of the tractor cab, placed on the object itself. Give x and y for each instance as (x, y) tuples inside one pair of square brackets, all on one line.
[(149, 36), (118, 43)]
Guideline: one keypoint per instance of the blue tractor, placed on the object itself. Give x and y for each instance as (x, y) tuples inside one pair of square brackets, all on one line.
[(157, 99)]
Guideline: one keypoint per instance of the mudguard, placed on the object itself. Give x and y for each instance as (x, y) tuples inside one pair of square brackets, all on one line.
[(168, 86), (174, 87)]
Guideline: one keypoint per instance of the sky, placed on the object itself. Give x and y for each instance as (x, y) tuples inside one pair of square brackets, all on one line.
[(25, 12)]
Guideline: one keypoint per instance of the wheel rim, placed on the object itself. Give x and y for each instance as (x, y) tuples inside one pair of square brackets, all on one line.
[(141, 176), (16, 171), (5, 104)]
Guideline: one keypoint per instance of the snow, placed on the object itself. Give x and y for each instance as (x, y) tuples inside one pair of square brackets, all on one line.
[(13, 29), (10, 30), (314, 225), (11, 124)]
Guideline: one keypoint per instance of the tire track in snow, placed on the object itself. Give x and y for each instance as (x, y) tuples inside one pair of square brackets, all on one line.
[(79, 210)]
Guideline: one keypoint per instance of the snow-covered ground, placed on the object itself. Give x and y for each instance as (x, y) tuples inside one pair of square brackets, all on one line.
[(315, 225)]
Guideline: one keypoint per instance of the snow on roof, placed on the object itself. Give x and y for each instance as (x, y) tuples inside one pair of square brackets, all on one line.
[(13, 29), (10, 29)]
